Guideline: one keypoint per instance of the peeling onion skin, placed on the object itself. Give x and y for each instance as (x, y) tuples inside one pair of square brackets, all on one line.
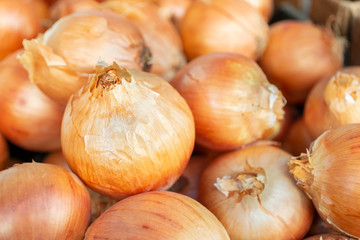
[(29, 118), (42, 201), (266, 211), (232, 102), (159, 34), (329, 174), (298, 55), (319, 116), (329, 237), (18, 21), (4, 152), (223, 26), (60, 60), (127, 137), (157, 215)]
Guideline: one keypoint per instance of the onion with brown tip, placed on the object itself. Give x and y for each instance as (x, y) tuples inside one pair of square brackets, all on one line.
[(60, 61), (298, 55), (42, 201), (127, 132), (329, 174), (157, 215), (29, 118), (253, 195), (223, 26), (232, 102)]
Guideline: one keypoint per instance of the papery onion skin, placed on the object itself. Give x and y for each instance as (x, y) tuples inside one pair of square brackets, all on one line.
[(127, 133), (329, 174), (42, 201), (329, 237), (223, 26), (232, 102), (29, 118), (157, 215), (298, 55), (18, 21), (159, 34), (4, 152), (318, 116), (99, 203), (268, 210), (60, 61)]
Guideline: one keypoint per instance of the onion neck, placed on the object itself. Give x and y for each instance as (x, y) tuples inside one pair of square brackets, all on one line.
[(301, 169), (250, 182)]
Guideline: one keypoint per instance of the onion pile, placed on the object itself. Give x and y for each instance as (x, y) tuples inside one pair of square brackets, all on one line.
[(29, 118), (127, 132), (42, 201), (232, 102), (298, 55), (253, 195), (223, 26), (60, 61), (157, 215)]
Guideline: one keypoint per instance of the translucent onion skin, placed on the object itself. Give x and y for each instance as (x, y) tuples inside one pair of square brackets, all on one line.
[(4, 152), (298, 55), (231, 100), (42, 201), (29, 119), (253, 195), (127, 132), (265, 7), (18, 21), (157, 215), (320, 109), (223, 26), (60, 61), (329, 174), (329, 237), (160, 35)]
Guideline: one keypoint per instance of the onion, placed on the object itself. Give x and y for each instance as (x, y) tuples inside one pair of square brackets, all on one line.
[(29, 119), (127, 132), (329, 237), (42, 201), (298, 138), (62, 8), (157, 215), (298, 55), (265, 7), (253, 195), (99, 203), (291, 113), (231, 100), (18, 21), (319, 226), (329, 174), (223, 26), (4, 152), (60, 61), (160, 35), (333, 102)]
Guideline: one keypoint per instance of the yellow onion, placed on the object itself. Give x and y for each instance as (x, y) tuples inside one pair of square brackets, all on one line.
[(157, 215), (4, 152), (329, 237), (99, 203), (298, 138), (223, 26), (333, 101), (29, 118), (265, 7), (126, 132), (298, 55), (160, 35), (231, 100), (329, 174), (42, 201), (62, 8), (60, 61), (18, 21), (253, 195)]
